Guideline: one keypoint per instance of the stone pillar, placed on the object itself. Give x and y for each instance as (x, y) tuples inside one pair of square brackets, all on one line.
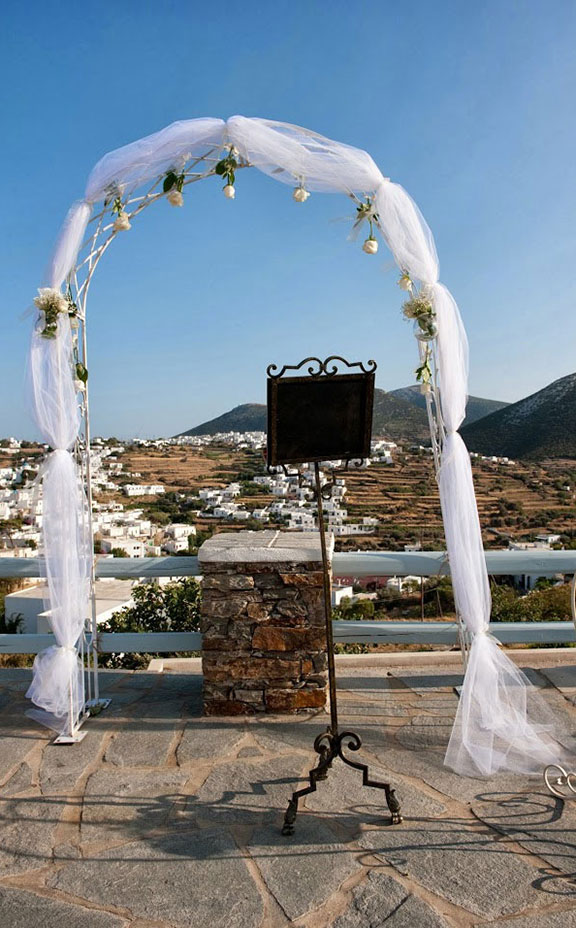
[(264, 641)]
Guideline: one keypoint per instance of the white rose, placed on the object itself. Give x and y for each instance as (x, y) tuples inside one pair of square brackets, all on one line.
[(229, 191), (79, 386), (405, 283), (122, 223), (174, 197), (370, 246), (425, 388), (300, 195)]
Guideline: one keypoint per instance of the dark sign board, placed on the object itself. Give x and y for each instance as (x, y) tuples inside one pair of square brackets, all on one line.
[(319, 418)]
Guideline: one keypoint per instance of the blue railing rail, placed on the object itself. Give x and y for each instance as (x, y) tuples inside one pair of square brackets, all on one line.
[(358, 564), (344, 564)]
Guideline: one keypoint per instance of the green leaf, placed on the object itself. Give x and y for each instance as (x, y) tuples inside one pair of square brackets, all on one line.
[(169, 181), (220, 168), (231, 177), (81, 372)]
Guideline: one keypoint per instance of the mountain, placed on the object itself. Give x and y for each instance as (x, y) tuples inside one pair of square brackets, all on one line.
[(476, 408), (393, 418), (541, 426), (250, 417)]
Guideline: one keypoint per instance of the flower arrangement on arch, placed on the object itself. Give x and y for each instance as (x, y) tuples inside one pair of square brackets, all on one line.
[(365, 213), (226, 168), (173, 186), (419, 307), (51, 302)]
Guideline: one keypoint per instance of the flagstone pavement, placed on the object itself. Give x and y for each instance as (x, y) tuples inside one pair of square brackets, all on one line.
[(161, 818)]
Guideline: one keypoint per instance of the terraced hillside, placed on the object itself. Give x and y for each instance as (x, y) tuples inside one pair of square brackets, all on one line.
[(515, 501)]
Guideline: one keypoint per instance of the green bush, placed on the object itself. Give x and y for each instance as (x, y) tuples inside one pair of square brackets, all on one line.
[(541, 605), (174, 607)]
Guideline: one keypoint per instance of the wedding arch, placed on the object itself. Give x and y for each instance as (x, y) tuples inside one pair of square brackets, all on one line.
[(501, 722)]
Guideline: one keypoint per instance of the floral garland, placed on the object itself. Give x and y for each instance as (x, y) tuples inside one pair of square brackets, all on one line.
[(51, 302), (419, 307)]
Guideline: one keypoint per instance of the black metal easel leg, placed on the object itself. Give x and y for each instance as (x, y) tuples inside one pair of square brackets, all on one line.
[(329, 747), (331, 743)]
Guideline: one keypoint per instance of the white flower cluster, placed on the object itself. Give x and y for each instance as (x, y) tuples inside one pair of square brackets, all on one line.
[(122, 222), (51, 299), (300, 194)]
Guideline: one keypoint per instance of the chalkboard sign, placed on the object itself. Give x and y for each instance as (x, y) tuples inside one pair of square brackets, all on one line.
[(321, 417)]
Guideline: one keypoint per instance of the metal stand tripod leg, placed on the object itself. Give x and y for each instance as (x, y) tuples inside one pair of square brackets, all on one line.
[(331, 743)]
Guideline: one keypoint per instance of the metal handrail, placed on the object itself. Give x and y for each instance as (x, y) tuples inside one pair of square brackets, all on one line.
[(353, 564), (344, 564)]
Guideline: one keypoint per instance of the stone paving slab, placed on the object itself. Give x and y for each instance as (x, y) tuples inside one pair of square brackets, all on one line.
[(302, 871), (383, 901), (128, 802), (465, 865), (21, 909), (63, 764), (425, 681), (183, 880), (429, 766), (563, 678), (426, 731), (162, 819), (284, 735), (370, 680), (27, 829), (18, 782), (144, 745), (544, 825), (361, 708), (212, 739), (247, 793), (14, 748), (565, 918)]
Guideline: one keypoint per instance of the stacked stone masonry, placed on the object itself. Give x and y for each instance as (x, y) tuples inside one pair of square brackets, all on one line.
[(264, 638)]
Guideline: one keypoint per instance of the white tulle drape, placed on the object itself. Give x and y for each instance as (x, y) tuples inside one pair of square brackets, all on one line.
[(57, 687), (499, 724)]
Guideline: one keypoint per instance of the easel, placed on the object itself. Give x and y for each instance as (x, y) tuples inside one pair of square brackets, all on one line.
[(324, 416)]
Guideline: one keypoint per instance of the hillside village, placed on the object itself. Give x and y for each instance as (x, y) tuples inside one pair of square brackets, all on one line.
[(154, 497), (125, 530)]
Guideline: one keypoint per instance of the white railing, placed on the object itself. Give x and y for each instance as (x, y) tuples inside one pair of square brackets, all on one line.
[(345, 564)]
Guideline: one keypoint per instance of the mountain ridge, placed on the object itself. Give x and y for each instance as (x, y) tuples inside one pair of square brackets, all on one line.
[(398, 414), (393, 418), (477, 407), (542, 425)]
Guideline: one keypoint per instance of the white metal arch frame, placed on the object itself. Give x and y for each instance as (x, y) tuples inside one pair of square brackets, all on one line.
[(499, 715)]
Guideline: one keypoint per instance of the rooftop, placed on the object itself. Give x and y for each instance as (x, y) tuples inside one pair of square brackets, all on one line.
[(161, 818)]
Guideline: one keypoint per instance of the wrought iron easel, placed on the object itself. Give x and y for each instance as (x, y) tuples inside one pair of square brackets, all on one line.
[(283, 413)]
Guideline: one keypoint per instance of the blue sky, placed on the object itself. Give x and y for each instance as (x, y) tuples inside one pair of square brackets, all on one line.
[(469, 106)]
